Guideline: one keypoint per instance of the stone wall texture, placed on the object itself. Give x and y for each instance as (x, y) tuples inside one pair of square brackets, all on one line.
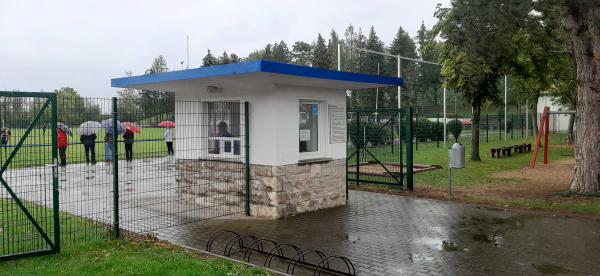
[(276, 191)]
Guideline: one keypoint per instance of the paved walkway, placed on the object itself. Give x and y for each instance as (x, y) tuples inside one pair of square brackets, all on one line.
[(381, 234), (395, 235)]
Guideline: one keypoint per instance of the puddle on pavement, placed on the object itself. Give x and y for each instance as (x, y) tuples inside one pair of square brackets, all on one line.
[(548, 269), (492, 239), (449, 246)]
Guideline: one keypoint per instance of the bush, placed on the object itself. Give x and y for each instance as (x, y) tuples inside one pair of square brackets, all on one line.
[(373, 133), (426, 130), (455, 127)]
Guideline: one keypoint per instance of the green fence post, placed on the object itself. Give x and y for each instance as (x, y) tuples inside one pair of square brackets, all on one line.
[(512, 126), (409, 150), (437, 138), (247, 153), (500, 128), (400, 146), (115, 160), (487, 127), (522, 126), (416, 131), (55, 183), (357, 145)]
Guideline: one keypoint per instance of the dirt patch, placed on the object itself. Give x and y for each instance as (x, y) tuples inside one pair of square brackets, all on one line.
[(543, 182)]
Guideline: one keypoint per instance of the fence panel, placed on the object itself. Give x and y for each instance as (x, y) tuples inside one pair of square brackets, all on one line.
[(28, 192)]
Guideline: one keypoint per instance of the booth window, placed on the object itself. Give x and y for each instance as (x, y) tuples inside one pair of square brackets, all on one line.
[(222, 120), (309, 127)]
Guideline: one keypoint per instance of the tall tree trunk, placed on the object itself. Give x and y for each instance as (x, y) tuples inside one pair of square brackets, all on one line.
[(581, 20), (475, 123)]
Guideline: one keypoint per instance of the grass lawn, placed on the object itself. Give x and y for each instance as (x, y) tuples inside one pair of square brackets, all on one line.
[(506, 181), (125, 257), (90, 254)]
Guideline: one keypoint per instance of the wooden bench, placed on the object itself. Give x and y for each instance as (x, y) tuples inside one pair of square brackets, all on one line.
[(507, 151)]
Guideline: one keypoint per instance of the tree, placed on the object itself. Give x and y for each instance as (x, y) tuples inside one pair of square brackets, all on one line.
[(129, 103), (158, 105), (476, 51), (281, 53), (234, 58), (224, 59), (371, 64), (321, 57), (267, 52), (332, 47), (302, 53), (209, 59), (71, 106), (403, 45), (580, 19), (159, 65)]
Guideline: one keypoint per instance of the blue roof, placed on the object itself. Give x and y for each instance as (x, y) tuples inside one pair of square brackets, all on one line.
[(260, 66)]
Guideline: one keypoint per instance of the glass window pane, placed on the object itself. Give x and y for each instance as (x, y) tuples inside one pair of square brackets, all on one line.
[(309, 127)]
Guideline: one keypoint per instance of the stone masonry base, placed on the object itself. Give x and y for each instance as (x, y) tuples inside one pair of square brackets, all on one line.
[(276, 191)]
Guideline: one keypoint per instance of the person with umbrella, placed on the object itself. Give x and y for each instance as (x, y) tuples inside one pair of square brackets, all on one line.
[(63, 143), (108, 137), (130, 130), (168, 135), (88, 138)]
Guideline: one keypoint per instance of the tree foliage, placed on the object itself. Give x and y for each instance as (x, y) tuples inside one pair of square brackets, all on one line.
[(321, 57), (476, 53)]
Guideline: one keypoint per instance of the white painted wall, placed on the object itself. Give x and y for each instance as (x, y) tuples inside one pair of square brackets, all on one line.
[(557, 122), (274, 119)]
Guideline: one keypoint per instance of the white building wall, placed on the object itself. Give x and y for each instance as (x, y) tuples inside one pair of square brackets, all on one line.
[(557, 122), (274, 120)]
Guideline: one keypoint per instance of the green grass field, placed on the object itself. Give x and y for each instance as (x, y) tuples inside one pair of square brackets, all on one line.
[(474, 173), (94, 255)]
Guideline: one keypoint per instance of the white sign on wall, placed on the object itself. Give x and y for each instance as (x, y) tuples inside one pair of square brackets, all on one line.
[(304, 135), (337, 124)]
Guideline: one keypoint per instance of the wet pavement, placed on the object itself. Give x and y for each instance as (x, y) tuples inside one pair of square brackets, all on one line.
[(395, 235), (381, 234)]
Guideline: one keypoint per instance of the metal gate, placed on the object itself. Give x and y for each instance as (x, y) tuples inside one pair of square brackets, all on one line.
[(29, 215), (380, 148)]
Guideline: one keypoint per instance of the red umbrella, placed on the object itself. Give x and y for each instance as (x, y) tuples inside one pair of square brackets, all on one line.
[(167, 124), (131, 127)]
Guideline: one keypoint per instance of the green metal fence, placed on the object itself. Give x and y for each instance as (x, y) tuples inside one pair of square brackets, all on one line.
[(29, 217), (117, 171), (380, 148)]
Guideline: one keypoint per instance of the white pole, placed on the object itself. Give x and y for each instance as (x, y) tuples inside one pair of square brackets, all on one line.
[(445, 116), (187, 37), (399, 63), (505, 107), (339, 56)]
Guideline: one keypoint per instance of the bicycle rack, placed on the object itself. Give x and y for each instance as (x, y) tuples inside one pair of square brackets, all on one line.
[(249, 244)]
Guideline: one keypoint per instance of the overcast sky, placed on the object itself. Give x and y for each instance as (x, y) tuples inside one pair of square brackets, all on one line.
[(45, 45)]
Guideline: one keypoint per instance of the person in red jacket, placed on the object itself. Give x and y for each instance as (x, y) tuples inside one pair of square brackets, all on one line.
[(63, 143)]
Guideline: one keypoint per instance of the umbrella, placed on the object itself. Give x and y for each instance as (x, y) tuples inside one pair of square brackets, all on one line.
[(89, 128), (167, 124), (132, 127), (108, 126), (64, 128)]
